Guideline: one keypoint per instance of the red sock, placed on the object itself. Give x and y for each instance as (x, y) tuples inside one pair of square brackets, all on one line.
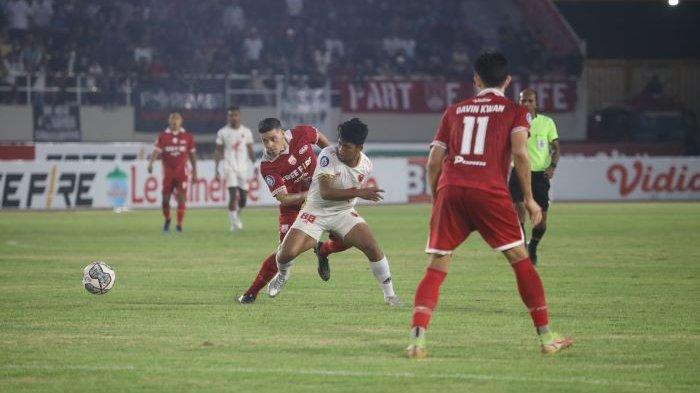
[(180, 213), (268, 269), (333, 244), (427, 295), (531, 291), (166, 210)]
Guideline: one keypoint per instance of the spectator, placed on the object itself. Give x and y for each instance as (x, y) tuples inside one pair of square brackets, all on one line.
[(233, 18), (253, 45), (294, 7), (18, 13), (42, 11)]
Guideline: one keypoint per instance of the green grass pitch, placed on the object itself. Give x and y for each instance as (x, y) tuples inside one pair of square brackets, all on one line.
[(621, 279)]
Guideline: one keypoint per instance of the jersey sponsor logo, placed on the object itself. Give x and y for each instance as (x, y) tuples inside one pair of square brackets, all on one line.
[(303, 149), (292, 160), (460, 160), (270, 180), (324, 161)]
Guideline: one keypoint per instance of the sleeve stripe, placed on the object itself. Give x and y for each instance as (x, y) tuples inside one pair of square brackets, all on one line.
[(518, 129), (279, 189), (439, 144)]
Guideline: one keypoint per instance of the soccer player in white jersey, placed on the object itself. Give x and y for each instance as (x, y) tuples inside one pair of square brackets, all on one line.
[(234, 143), (340, 178)]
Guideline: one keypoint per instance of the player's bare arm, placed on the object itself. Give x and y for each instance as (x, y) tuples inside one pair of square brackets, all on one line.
[(251, 152), (330, 193), (291, 199), (434, 166), (554, 145), (322, 140), (193, 161), (154, 156), (521, 161), (218, 155)]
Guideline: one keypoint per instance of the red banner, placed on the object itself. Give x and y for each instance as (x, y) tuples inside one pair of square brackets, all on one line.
[(407, 96)]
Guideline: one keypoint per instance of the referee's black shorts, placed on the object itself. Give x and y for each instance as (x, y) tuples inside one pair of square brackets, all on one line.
[(540, 189)]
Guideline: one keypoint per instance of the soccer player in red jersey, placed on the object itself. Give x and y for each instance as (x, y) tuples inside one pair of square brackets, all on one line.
[(467, 173), (175, 146), (287, 167)]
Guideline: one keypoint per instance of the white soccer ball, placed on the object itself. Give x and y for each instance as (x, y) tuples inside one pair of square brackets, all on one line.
[(98, 278)]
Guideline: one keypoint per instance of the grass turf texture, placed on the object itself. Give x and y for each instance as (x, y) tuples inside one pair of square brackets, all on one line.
[(622, 279)]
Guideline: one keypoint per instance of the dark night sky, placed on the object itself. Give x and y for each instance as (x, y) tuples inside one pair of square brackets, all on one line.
[(636, 29)]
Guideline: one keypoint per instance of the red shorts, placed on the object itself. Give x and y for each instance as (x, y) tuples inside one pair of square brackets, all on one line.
[(457, 211), (178, 184), (286, 220)]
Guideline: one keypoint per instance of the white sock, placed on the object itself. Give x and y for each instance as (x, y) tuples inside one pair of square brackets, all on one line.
[(381, 272), (232, 216), (284, 268)]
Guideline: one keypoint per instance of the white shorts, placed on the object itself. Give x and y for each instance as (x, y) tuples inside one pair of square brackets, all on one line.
[(314, 224), (235, 178)]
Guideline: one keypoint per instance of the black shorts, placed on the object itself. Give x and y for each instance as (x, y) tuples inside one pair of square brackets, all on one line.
[(540, 189)]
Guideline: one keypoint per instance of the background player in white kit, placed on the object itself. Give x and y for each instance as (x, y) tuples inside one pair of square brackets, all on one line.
[(339, 179), (234, 142)]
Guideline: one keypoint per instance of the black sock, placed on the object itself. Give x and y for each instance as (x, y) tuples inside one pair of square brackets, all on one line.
[(537, 233)]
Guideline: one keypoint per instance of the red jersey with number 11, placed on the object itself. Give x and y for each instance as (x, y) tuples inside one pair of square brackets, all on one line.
[(476, 133)]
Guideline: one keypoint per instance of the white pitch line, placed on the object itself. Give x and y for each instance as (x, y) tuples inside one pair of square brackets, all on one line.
[(337, 373)]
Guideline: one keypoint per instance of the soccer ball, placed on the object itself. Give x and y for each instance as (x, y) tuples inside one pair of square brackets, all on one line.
[(98, 278)]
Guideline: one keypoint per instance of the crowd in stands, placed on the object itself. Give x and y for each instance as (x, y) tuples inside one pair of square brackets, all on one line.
[(343, 40)]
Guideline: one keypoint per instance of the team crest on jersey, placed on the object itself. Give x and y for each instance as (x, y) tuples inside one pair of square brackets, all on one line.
[(360, 177), (292, 160), (303, 149), (270, 180), (324, 161)]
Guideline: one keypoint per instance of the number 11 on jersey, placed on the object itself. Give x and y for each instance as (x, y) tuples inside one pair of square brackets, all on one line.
[(468, 134)]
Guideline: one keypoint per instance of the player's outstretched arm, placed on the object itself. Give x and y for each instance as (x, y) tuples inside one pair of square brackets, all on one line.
[(434, 166), (291, 199), (521, 161), (330, 193)]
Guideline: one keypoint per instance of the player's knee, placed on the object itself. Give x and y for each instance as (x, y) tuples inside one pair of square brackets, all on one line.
[(285, 255), (516, 254), (374, 253)]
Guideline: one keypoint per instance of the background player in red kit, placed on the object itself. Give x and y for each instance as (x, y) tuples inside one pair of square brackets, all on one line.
[(467, 172), (287, 167), (175, 146)]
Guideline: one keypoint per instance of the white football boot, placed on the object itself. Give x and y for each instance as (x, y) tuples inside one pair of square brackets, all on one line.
[(276, 284)]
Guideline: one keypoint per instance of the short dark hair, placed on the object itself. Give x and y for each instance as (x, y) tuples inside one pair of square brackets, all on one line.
[(233, 108), (492, 68), (353, 131), (269, 124)]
